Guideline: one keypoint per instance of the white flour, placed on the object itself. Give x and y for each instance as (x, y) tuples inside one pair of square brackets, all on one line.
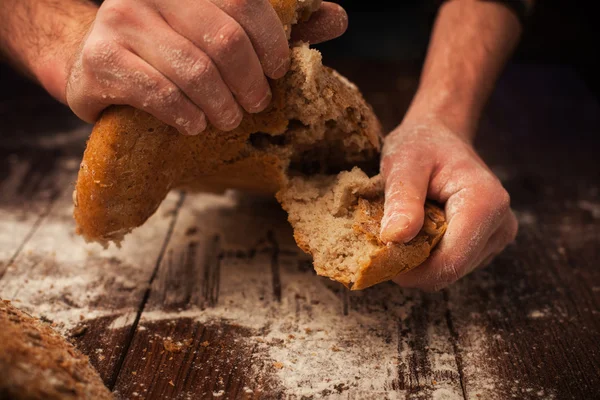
[(305, 340)]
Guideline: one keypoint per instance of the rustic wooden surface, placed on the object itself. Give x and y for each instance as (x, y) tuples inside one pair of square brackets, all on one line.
[(212, 299)]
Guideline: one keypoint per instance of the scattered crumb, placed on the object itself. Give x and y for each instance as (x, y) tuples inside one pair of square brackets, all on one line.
[(79, 331), (175, 347), (171, 383), (537, 314), (278, 365), (204, 344)]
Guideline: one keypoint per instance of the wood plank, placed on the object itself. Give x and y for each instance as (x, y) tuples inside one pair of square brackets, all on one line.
[(525, 331), (255, 322), (32, 176), (83, 288), (269, 337), (528, 326)]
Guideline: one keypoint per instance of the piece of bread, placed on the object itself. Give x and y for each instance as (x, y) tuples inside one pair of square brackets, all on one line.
[(37, 363), (318, 123), (132, 160), (337, 220)]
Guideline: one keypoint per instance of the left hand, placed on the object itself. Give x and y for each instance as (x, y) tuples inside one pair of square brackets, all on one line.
[(426, 159)]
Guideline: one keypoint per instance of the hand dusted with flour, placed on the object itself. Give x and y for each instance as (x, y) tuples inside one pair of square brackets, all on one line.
[(318, 124), (187, 63), (430, 154)]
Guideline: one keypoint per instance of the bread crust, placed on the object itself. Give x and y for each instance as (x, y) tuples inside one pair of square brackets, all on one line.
[(388, 261), (348, 208), (37, 363), (132, 160)]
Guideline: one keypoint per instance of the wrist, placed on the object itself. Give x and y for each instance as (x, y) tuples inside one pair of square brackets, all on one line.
[(457, 110), (51, 72), (44, 48)]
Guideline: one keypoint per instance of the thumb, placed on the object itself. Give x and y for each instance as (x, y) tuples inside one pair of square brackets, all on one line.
[(407, 179), (328, 22)]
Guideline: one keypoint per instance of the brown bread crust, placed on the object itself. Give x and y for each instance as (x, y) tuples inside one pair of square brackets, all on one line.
[(389, 261), (37, 363), (132, 160)]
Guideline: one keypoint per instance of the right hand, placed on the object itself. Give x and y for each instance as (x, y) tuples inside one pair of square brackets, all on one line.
[(187, 62)]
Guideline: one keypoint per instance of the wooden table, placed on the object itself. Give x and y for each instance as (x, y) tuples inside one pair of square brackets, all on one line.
[(212, 299)]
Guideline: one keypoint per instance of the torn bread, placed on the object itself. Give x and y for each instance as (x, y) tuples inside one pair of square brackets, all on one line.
[(337, 220), (37, 363), (318, 124)]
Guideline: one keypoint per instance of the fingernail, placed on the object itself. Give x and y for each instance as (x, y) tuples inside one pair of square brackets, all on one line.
[(392, 225), (230, 119), (191, 129), (263, 103)]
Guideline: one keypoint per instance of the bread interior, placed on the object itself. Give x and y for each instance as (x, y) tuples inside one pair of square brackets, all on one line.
[(320, 138), (325, 212)]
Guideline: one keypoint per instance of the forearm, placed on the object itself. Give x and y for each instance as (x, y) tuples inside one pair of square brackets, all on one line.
[(39, 37), (470, 44)]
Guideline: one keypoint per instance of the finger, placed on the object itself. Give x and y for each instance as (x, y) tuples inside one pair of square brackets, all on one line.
[(190, 69), (474, 214), (225, 42), (127, 79), (407, 174), (328, 22), (505, 235), (263, 27)]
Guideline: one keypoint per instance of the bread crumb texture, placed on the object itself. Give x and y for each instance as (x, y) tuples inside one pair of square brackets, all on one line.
[(317, 126), (337, 220), (37, 363)]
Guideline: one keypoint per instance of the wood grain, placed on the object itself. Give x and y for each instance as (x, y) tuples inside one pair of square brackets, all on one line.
[(211, 298), (58, 277)]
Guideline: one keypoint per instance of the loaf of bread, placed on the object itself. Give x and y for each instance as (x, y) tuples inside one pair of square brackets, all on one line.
[(318, 124), (37, 363)]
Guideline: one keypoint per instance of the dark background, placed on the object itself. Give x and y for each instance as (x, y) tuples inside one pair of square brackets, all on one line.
[(557, 33)]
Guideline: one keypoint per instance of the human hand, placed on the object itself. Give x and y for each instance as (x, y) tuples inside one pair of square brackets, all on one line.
[(187, 62), (425, 158)]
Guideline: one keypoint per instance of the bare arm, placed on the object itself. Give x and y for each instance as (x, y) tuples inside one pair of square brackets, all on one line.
[(39, 38), (430, 154), (470, 44), (187, 62)]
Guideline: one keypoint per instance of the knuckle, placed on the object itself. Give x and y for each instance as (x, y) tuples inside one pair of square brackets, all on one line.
[(151, 84), (231, 36), (500, 198), (115, 14), (241, 4), (201, 70), (503, 200), (99, 52), (169, 96)]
